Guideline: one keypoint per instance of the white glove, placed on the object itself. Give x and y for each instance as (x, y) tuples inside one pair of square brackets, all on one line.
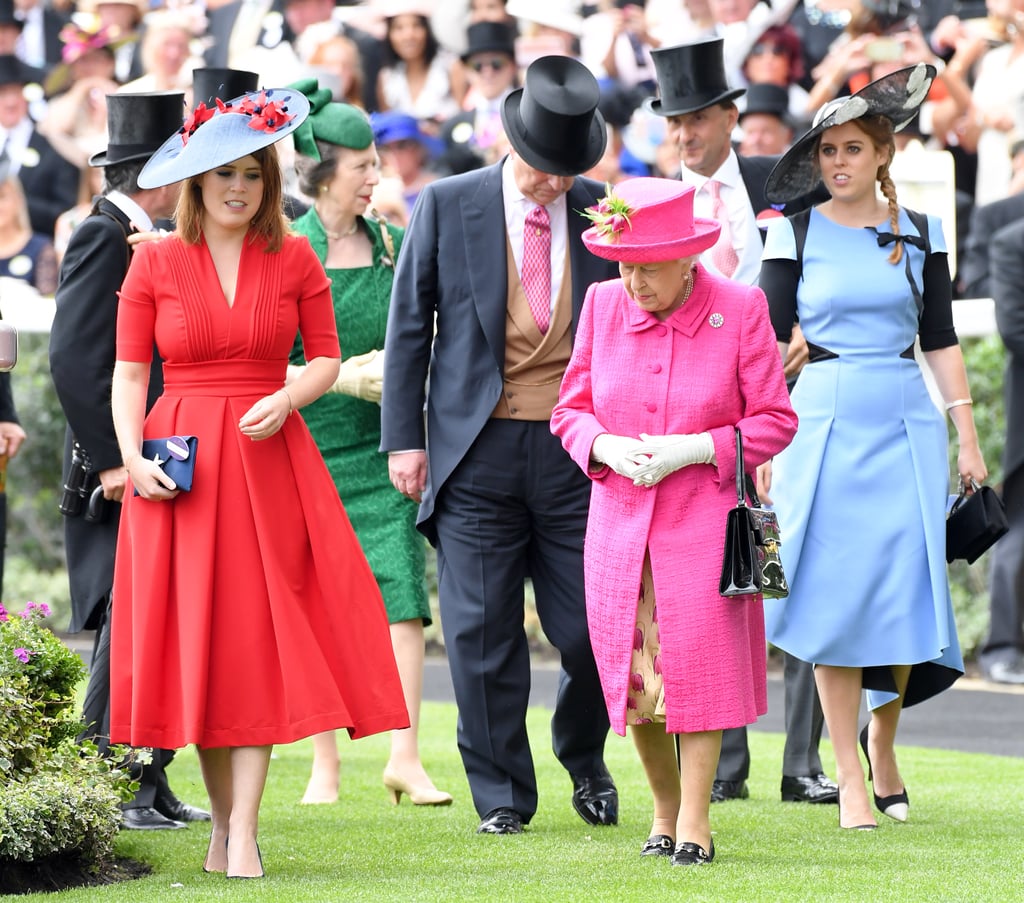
[(619, 453), (361, 376), (667, 454)]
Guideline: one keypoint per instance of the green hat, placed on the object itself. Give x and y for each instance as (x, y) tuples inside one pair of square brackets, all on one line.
[(335, 123)]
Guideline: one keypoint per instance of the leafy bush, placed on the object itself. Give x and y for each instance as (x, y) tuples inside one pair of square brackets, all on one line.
[(58, 799)]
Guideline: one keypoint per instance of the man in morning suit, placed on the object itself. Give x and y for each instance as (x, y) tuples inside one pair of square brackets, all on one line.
[(700, 107), (1002, 656), (82, 354), (495, 255)]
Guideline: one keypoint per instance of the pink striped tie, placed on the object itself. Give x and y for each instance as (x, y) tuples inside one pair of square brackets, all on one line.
[(723, 254), (536, 276)]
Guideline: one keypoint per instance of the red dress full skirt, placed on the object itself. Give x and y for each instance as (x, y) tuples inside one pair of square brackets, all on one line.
[(244, 613)]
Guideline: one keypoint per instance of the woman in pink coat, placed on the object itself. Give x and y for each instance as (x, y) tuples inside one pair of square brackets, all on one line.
[(666, 362)]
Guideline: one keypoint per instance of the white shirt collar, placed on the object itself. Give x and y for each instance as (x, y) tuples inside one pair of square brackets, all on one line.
[(136, 215)]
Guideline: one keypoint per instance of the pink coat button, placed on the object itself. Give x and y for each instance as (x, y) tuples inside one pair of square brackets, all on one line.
[(655, 368), (651, 406), (661, 330)]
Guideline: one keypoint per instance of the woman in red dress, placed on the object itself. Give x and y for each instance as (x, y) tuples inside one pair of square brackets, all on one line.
[(246, 612)]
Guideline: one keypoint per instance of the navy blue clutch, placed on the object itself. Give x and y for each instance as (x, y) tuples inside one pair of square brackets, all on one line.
[(176, 455)]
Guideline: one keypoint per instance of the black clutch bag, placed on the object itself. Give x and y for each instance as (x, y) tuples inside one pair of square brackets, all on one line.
[(974, 523), (176, 455), (751, 563)]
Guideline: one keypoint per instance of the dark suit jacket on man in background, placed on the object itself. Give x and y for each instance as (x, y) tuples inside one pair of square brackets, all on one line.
[(1004, 646)]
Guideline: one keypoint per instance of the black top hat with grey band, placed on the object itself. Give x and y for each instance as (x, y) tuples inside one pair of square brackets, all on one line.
[(769, 99), (211, 84), (897, 96), (138, 124), (691, 77), (553, 122)]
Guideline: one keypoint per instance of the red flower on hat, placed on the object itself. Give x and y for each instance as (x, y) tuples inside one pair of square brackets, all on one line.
[(198, 116), (266, 115)]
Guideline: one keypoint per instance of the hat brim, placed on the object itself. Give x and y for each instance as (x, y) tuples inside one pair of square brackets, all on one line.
[(705, 234), (556, 161), (220, 140), (105, 158), (897, 96), (693, 104)]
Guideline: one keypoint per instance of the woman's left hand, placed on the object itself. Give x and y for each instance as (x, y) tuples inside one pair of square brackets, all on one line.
[(971, 465), (266, 417)]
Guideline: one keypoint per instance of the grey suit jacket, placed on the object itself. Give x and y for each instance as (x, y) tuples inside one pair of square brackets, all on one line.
[(454, 265)]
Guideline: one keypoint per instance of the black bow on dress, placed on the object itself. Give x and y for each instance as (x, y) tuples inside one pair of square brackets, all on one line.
[(887, 238)]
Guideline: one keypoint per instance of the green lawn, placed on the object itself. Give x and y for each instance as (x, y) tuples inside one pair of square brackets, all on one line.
[(962, 843)]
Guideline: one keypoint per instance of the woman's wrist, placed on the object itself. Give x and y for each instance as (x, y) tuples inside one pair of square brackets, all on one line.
[(291, 404)]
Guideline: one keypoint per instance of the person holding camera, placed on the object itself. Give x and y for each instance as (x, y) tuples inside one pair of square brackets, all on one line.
[(81, 364)]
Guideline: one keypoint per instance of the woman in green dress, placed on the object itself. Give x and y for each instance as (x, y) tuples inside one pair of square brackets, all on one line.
[(338, 167)]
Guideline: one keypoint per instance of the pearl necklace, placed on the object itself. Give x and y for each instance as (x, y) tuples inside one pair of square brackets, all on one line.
[(335, 236)]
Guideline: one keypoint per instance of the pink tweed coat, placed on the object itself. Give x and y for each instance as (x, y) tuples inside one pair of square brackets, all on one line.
[(712, 365)]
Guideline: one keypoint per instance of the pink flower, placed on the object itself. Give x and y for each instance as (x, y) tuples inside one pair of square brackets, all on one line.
[(657, 663), (617, 223), (643, 721), (638, 639), (22, 655), (636, 681), (3, 614), (41, 607), (654, 614), (603, 206), (630, 702)]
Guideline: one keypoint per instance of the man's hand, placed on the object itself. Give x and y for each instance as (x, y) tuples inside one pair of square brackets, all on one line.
[(11, 437), (113, 480), (408, 472)]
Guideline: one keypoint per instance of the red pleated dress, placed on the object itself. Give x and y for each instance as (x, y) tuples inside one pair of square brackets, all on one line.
[(244, 612)]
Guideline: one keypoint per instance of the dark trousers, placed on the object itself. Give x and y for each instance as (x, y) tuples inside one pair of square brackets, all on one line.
[(96, 715), (804, 722), (516, 508), (1006, 580)]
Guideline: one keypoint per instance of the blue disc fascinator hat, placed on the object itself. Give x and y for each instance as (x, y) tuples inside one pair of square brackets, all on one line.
[(897, 96), (213, 136)]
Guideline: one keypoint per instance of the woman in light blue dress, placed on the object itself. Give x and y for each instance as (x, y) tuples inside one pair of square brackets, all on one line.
[(861, 491)]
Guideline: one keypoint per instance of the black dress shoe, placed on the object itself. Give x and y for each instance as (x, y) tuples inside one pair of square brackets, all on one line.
[(146, 818), (722, 791), (692, 854), (173, 808), (501, 821), (815, 788), (596, 799), (658, 845)]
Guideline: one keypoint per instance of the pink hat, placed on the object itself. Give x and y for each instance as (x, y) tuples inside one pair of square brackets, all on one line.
[(648, 220)]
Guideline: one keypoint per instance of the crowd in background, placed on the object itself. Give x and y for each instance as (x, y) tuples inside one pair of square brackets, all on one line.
[(433, 76)]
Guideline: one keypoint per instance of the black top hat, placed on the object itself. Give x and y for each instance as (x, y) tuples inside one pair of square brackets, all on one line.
[(897, 96), (767, 98), (13, 71), (137, 124), (691, 77), (486, 37), (553, 122), (7, 16), (212, 84)]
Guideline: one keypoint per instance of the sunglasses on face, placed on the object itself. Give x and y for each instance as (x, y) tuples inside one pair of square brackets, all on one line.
[(496, 63), (772, 49)]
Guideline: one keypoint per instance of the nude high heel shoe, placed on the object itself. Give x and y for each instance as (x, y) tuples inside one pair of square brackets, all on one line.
[(420, 796)]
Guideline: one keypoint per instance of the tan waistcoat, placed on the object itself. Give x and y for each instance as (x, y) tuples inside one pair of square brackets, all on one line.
[(534, 363)]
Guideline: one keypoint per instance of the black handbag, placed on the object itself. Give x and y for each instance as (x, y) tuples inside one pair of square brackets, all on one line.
[(751, 563), (974, 523)]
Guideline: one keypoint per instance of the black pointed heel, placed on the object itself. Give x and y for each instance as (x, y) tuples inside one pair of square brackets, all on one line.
[(887, 805)]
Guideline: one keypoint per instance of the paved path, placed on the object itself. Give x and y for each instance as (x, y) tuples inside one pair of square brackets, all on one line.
[(974, 716)]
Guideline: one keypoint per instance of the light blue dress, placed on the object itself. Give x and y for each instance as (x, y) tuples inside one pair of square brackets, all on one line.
[(861, 491)]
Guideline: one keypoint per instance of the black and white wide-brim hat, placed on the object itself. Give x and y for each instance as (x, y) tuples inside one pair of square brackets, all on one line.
[(897, 96)]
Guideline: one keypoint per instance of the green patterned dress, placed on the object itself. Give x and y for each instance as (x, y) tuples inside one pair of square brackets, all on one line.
[(347, 430)]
